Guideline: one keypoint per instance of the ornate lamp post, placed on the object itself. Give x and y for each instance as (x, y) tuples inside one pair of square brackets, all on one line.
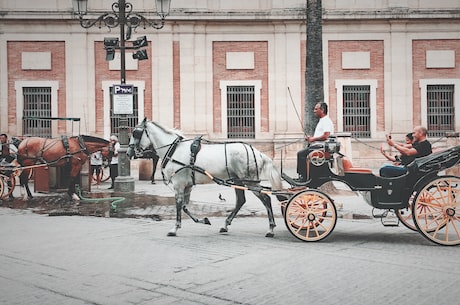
[(122, 16)]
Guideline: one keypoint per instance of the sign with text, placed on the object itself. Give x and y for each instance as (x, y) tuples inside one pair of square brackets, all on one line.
[(123, 102)]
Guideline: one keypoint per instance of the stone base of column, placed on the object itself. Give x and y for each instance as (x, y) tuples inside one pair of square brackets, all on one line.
[(124, 184)]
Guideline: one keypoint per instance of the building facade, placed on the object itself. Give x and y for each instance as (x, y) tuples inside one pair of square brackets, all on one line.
[(235, 70)]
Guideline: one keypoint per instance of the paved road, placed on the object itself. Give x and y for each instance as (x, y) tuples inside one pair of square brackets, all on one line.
[(96, 260)]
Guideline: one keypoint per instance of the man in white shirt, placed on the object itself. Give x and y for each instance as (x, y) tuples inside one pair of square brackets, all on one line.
[(323, 130), (114, 147)]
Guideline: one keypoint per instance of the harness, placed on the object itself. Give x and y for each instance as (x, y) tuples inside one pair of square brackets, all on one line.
[(195, 147)]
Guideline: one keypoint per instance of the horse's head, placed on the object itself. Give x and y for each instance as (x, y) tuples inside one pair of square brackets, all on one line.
[(139, 141)]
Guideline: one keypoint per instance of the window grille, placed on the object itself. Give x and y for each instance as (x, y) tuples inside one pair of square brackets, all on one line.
[(133, 119), (356, 111), (240, 112), (37, 104), (440, 108)]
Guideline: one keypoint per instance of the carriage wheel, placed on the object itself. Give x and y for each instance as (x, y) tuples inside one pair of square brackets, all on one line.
[(405, 215), (7, 185), (310, 215), (104, 175), (436, 211)]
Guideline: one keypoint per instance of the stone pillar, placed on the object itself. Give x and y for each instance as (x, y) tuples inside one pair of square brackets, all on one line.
[(453, 140)]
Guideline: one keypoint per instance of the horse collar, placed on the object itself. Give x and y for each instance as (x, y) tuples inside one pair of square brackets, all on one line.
[(81, 142)]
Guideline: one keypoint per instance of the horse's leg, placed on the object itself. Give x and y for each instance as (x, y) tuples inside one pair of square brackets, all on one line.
[(266, 200), (179, 203), (74, 172), (24, 185), (184, 208), (240, 201)]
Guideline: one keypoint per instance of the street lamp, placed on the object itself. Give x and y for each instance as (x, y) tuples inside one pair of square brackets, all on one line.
[(122, 16)]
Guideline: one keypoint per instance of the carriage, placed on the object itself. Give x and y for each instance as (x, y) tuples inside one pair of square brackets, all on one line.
[(425, 199)]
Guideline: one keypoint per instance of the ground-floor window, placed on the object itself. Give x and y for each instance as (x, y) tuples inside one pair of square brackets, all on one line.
[(36, 110), (440, 109), (241, 112), (357, 110)]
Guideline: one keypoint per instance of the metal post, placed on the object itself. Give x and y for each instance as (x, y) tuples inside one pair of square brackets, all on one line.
[(124, 182), (122, 17)]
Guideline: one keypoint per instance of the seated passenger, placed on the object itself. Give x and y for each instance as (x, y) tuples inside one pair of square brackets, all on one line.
[(420, 147), (323, 130), (400, 159)]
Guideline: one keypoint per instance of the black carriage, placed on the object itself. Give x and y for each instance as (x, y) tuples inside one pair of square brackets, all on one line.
[(424, 199)]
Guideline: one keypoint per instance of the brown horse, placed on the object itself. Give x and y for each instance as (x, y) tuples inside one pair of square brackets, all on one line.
[(66, 151)]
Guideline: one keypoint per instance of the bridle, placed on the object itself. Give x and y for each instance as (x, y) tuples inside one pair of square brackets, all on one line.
[(139, 131)]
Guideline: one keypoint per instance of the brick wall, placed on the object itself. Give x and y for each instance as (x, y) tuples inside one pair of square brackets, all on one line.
[(103, 73), (260, 72), (420, 71), (16, 73), (376, 71)]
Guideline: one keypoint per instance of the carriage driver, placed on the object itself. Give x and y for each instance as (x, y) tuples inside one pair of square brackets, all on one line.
[(8, 150), (8, 154), (323, 130)]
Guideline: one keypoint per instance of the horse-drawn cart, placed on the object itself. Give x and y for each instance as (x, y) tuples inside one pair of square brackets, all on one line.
[(425, 199), (425, 192)]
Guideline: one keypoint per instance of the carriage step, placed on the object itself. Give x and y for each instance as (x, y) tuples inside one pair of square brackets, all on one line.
[(388, 218)]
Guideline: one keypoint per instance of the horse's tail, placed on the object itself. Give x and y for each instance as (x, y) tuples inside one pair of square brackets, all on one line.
[(272, 173)]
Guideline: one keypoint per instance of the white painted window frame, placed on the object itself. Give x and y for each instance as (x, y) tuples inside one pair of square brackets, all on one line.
[(223, 97), (339, 83), (106, 95), (19, 85), (423, 84)]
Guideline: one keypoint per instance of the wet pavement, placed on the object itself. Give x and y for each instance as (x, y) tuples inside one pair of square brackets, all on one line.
[(156, 202)]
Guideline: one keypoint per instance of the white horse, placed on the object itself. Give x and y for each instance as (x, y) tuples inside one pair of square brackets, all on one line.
[(187, 162)]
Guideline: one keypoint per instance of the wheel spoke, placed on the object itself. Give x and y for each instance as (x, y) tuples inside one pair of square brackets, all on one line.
[(436, 213), (310, 215)]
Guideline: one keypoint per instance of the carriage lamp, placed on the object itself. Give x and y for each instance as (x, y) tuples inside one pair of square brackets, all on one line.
[(122, 17)]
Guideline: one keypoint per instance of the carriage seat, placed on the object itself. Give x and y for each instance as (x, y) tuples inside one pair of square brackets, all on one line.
[(348, 167)]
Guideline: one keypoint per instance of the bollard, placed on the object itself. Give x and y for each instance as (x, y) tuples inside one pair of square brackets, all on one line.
[(145, 169)]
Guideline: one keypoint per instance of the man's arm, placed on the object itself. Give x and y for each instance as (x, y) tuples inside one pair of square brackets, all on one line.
[(323, 137), (407, 151)]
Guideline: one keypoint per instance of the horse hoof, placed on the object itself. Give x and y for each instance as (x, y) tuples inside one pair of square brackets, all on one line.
[(270, 234), (223, 230), (206, 221), (171, 234)]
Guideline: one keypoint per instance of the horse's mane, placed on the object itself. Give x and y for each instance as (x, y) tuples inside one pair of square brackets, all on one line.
[(87, 138), (168, 130)]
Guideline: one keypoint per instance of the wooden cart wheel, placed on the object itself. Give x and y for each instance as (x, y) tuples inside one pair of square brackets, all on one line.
[(436, 211), (104, 175), (7, 185), (310, 215), (3, 186), (405, 215)]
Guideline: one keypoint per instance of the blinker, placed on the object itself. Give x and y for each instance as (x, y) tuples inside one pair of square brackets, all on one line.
[(137, 133)]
